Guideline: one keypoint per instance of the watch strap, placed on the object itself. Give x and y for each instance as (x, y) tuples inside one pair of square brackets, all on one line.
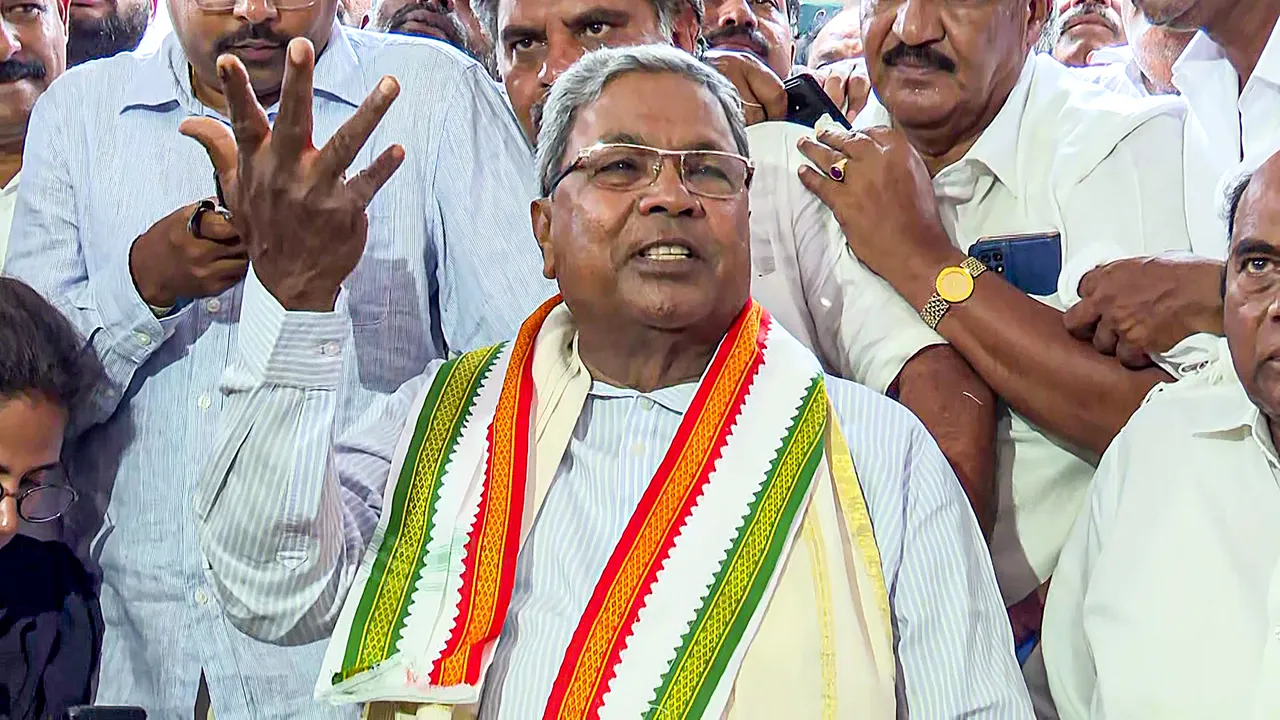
[(937, 307)]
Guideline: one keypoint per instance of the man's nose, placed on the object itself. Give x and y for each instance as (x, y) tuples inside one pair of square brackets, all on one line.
[(256, 12), (735, 13), (918, 22), (560, 57), (9, 43), (668, 195)]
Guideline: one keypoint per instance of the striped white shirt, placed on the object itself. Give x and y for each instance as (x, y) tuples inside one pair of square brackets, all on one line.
[(285, 512)]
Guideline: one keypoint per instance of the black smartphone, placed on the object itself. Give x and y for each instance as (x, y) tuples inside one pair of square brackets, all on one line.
[(89, 712), (807, 102), (1030, 262)]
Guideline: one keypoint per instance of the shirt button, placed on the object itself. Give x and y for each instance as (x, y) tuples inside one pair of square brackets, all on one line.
[(646, 403), (213, 305), (204, 401), (142, 338), (1276, 632), (201, 598), (330, 348)]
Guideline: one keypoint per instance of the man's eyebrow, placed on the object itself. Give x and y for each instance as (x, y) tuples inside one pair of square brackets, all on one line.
[(512, 34), (1253, 246), (591, 16)]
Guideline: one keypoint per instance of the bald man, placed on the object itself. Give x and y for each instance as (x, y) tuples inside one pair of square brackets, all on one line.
[(840, 39)]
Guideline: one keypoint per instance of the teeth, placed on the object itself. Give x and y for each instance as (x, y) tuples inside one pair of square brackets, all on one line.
[(666, 252)]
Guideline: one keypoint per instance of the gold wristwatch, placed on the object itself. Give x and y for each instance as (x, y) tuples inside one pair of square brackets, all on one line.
[(954, 285)]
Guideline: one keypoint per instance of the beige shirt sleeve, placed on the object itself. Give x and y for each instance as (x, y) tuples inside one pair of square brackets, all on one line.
[(806, 276)]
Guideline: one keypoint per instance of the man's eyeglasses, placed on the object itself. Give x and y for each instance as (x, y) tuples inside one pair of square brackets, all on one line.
[(225, 6), (623, 167), (42, 503)]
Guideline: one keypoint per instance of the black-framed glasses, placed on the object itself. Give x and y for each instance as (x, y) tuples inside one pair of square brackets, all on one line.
[(43, 502), (623, 167)]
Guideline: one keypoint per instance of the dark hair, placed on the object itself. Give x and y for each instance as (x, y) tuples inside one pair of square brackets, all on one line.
[(1234, 198), (40, 353), (793, 16)]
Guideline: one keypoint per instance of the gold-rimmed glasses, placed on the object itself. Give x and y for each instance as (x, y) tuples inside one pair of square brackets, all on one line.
[(624, 167)]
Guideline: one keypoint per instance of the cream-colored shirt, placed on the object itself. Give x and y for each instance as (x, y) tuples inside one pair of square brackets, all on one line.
[(1229, 131), (8, 199), (804, 274), (1166, 601), (1103, 170)]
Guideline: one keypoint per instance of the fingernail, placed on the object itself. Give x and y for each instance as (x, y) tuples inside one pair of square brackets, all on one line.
[(386, 86), (295, 52)]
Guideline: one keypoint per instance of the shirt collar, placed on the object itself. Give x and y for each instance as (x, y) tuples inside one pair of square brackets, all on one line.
[(164, 77), (12, 187), (675, 398), (1227, 410), (997, 146), (1204, 58)]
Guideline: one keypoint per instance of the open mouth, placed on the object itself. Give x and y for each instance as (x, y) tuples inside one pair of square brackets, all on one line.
[(667, 251)]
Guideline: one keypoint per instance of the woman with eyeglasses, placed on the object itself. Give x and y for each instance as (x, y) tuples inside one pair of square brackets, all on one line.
[(50, 625)]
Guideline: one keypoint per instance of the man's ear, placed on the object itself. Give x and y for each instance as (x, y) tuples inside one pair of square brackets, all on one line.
[(540, 212), (686, 30)]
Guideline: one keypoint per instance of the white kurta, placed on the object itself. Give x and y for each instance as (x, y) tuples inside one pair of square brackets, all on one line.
[(1229, 131), (1166, 601)]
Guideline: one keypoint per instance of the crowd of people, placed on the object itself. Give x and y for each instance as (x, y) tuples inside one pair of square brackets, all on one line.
[(474, 358)]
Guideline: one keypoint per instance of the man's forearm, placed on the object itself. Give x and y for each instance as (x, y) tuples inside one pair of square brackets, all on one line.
[(959, 411), (1020, 347)]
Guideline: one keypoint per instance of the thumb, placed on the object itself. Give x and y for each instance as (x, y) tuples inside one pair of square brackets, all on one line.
[(216, 139)]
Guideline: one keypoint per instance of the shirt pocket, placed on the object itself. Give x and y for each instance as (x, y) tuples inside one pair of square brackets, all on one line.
[(368, 288)]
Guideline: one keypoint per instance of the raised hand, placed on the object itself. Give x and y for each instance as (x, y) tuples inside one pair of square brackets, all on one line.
[(302, 220)]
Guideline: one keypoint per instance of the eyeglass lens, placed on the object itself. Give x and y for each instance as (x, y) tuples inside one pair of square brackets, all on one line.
[(709, 174)]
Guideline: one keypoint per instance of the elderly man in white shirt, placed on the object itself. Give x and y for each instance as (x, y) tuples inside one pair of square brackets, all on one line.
[(1230, 77), (990, 142), (33, 53), (1166, 601)]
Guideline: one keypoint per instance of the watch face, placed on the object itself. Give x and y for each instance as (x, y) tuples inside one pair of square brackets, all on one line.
[(955, 284)]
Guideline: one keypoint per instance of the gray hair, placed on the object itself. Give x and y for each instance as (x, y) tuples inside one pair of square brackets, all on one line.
[(1050, 33), (584, 82), (668, 10)]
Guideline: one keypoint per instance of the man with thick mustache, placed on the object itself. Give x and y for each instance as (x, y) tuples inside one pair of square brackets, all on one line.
[(152, 280), (763, 28), (1085, 26), (1014, 144), (32, 55), (802, 272), (652, 454), (451, 21), (102, 28)]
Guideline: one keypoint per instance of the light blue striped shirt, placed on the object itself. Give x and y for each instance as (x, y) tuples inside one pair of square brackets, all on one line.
[(451, 263), (285, 565)]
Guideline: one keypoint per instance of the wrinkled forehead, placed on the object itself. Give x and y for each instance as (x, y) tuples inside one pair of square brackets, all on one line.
[(660, 110)]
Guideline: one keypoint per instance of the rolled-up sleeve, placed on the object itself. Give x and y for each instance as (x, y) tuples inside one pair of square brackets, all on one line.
[(284, 510), (864, 330)]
